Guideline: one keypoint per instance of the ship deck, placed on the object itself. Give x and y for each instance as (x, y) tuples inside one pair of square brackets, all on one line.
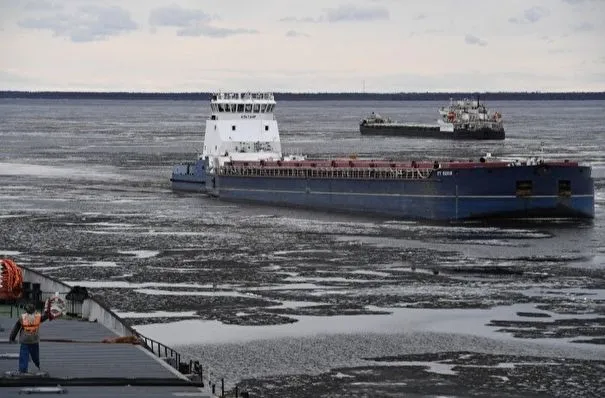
[(75, 359)]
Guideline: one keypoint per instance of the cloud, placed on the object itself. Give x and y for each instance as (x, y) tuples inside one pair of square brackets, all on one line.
[(8, 76), (431, 31), (534, 14), (178, 17), (345, 13), (474, 40), (531, 15), (191, 22), (419, 17), (295, 19), (547, 39), (212, 31), (583, 27), (559, 51), (88, 23), (573, 2), (294, 33), (43, 5)]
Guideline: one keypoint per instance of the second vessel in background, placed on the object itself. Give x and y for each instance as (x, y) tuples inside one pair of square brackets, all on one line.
[(464, 119)]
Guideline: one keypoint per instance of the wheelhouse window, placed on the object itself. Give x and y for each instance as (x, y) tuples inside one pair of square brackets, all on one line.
[(256, 108), (248, 108), (240, 108)]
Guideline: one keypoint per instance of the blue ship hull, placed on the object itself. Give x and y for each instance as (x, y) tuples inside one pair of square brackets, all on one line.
[(559, 191), (189, 177)]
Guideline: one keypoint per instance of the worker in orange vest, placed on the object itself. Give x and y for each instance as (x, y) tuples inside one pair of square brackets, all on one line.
[(28, 326)]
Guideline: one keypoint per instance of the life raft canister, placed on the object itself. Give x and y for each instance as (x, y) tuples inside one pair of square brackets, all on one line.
[(31, 324)]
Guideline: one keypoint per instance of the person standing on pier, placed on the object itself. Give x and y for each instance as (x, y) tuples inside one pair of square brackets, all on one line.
[(28, 326)]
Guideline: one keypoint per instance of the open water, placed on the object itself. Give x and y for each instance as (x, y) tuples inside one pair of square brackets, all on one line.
[(301, 303)]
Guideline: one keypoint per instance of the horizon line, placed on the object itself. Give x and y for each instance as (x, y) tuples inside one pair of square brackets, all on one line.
[(299, 92)]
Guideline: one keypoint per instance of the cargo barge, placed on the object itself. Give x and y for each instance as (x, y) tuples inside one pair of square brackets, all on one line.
[(242, 160)]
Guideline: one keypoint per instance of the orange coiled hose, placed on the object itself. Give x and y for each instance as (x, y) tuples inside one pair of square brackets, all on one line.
[(11, 280)]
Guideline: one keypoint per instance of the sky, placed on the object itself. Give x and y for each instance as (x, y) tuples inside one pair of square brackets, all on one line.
[(302, 45)]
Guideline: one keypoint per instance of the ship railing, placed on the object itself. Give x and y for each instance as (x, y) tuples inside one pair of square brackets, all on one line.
[(192, 368), (374, 173), (162, 351)]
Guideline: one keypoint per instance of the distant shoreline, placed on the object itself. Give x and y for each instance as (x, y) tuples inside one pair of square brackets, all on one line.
[(287, 96)]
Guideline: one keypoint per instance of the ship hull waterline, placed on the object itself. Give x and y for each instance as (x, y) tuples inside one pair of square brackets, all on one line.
[(411, 131)]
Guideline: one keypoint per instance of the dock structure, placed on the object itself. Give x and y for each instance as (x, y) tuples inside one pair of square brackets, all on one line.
[(91, 352)]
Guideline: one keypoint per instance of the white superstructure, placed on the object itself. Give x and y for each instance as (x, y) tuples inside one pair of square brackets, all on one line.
[(468, 114), (241, 126)]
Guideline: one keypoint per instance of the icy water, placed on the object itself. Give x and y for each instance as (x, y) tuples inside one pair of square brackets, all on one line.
[(300, 303)]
